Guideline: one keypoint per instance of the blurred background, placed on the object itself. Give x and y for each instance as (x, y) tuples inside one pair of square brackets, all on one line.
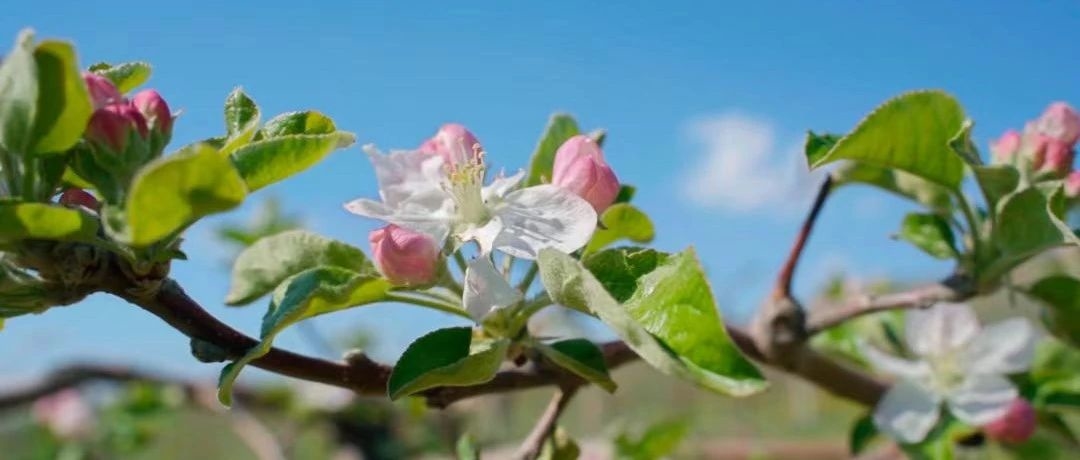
[(705, 103)]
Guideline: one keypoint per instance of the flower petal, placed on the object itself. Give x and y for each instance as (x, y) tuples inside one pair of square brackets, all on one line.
[(1002, 348), (413, 216), (893, 365), (907, 412), (501, 185), (486, 290), (941, 328), (408, 175), (543, 216), (982, 399)]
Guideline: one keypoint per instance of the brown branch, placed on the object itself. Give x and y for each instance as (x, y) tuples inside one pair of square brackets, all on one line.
[(787, 271), (545, 426), (953, 289)]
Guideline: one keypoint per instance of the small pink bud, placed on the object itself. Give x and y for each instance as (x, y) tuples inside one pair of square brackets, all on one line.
[(1060, 122), (79, 197), (1058, 158), (405, 257), (1016, 426), (110, 126), (580, 168), (1072, 185), (153, 107), (65, 414), (1004, 149), (453, 142), (102, 91)]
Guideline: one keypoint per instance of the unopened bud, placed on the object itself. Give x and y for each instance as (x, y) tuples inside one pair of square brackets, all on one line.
[(405, 257), (1072, 185), (1005, 148), (110, 126), (454, 143), (79, 197), (580, 167), (1060, 122), (1016, 426), (102, 91), (154, 109)]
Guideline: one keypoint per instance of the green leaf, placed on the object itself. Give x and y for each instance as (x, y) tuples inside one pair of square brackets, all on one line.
[(581, 357), (862, 433), (306, 122), (626, 193), (19, 221), (241, 120), (996, 182), (314, 292), (446, 357), (670, 320), (618, 222), (560, 446), (962, 145), (929, 194), (466, 448), (260, 268), (1024, 225), (940, 444), (18, 94), (910, 132), (931, 233), (1061, 296), (63, 103), (264, 162), (173, 192), (658, 441), (126, 76), (559, 128)]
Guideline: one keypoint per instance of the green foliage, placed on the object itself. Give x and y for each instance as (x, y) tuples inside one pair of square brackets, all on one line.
[(1060, 295), (581, 357), (1025, 227), (911, 133), (314, 292), (263, 266), (618, 222), (670, 319), (863, 432), (930, 233), (560, 446), (126, 76), (658, 441), (173, 192), (44, 105), (19, 221), (1054, 381), (466, 448), (270, 160), (940, 443), (446, 357), (560, 128), (996, 182), (241, 120)]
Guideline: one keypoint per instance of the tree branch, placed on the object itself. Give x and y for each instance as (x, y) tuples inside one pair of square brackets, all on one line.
[(952, 289), (782, 288), (545, 426)]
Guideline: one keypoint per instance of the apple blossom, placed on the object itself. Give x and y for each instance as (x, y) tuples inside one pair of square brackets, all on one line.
[(1006, 147), (405, 257), (450, 142), (958, 364), (421, 192), (580, 167), (102, 91), (1016, 426)]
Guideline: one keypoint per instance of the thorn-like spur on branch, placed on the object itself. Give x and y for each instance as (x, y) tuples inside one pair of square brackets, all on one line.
[(532, 446), (952, 289), (782, 288)]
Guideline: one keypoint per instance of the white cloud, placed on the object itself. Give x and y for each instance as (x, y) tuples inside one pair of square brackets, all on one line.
[(740, 168)]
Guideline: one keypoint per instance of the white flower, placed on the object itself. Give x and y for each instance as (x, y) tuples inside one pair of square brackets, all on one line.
[(423, 194), (958, 364)]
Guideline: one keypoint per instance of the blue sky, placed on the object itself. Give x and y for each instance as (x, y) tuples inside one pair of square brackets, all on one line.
[(690, 92)]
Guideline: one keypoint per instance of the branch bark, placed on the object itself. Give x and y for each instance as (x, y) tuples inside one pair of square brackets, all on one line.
[(545, 426), (953, 289)]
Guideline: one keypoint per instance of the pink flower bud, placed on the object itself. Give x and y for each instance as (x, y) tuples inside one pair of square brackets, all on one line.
[(1060, 122), (1016, 426), (453, 142), (580, 168), (1005, 148), (110, 126), (153, 107), (405, 257), (79, 197), (1058, 158), (65, 414), (102, 92), (1072, 185)]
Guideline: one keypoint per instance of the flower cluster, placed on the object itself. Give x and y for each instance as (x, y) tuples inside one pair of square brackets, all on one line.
[(1047, 146), (958, 364), (437, 198)]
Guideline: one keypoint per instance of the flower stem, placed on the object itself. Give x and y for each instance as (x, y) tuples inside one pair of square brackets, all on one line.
[(461, 263), (527, 280), (431, 302)]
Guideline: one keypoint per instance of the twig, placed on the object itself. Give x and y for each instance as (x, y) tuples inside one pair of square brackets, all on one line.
[(545, 426), (953, 289), (787, 271)]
